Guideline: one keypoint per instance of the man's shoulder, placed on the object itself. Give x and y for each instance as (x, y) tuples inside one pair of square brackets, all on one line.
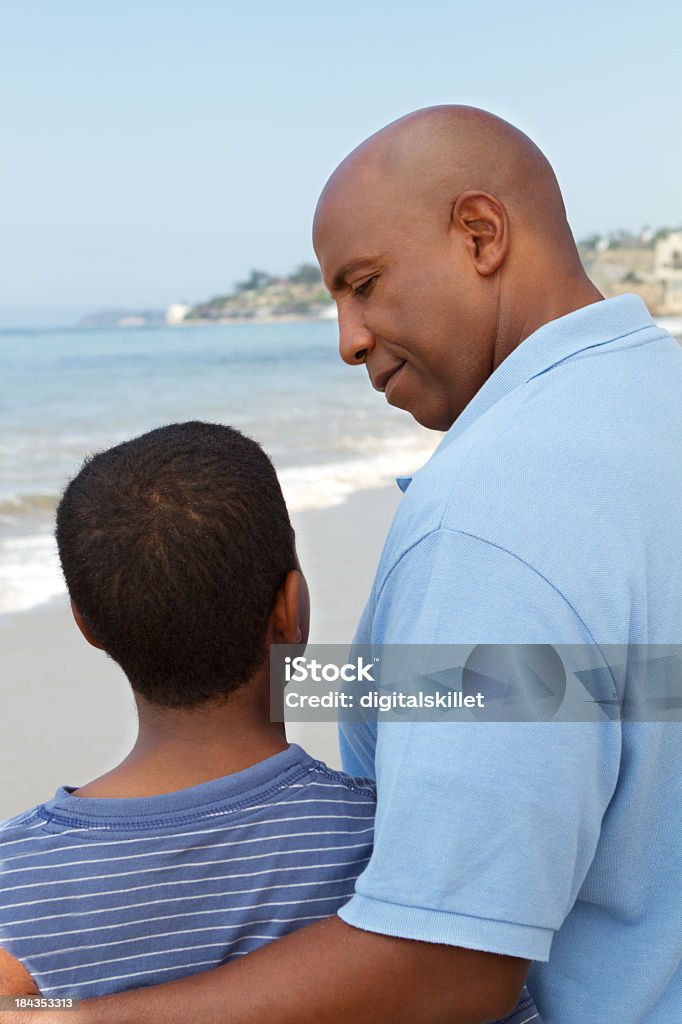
[(570, 484), (543, 452)]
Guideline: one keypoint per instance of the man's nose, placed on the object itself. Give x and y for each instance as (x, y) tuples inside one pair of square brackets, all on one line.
[(355, 339)]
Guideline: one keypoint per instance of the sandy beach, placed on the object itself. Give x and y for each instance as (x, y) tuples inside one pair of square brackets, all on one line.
[(68, 714)]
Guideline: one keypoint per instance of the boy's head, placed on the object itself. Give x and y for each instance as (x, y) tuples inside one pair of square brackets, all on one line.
[(177, 552)]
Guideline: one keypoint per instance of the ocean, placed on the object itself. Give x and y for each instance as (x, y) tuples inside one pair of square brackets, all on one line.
[(67, 393)]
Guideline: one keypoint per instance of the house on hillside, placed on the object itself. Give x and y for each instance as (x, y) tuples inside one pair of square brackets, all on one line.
[(668, 270)]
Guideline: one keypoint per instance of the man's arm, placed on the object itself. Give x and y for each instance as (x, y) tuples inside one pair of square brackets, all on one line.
[(327, 972), (14, 978)]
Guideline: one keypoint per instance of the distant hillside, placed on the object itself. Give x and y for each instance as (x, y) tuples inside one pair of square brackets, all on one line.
[(262, 297)]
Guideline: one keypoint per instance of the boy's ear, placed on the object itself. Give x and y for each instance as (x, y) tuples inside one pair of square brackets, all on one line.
[(289, 615), (84, 629)]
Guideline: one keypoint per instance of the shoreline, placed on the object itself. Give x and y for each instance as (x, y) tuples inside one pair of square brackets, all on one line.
[(68, 711)]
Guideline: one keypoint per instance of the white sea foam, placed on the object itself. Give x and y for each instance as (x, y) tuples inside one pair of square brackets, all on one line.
[(29, 571), (672, 324), (331, 483)]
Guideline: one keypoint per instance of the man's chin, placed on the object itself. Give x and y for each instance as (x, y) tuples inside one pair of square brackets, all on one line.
[(429, 414), (432, 419)]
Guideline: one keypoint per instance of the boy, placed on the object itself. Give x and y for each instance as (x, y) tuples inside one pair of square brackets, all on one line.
[(213, 836)]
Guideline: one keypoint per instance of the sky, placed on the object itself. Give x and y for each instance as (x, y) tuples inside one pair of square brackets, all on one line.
[(154, 152)]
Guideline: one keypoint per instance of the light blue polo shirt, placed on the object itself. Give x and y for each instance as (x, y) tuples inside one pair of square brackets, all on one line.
[(551, 513)]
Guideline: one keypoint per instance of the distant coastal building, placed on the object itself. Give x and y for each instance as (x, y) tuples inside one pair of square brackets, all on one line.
[(176, 313), (648, 264), (668, 270)]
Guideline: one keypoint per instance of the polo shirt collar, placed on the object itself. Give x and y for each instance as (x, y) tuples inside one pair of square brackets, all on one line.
[(588, 327)]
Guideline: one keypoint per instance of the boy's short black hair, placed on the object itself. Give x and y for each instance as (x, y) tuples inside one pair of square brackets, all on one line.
[(173, 546)]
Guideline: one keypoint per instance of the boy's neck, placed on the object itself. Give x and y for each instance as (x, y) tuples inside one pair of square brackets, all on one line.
[(179, 748)]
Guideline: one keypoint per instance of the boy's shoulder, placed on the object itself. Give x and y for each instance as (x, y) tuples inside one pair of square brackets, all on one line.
[(306, 777), (20, 837), (18, 832), (19, 823), (292, 776)]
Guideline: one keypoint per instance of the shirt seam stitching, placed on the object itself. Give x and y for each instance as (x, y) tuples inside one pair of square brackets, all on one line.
[(349, 782), (450, 913), (186, 818), (601, 344), (18, 823)]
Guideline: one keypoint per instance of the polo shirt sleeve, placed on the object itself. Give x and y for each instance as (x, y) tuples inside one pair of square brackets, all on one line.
[(484, 831)]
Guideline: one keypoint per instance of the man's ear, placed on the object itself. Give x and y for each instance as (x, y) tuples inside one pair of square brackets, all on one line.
[(84, 629), (287, 614), (485, 223), (14, 978)]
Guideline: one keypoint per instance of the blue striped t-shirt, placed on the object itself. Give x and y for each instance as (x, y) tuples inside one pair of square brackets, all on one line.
[(100, 895)]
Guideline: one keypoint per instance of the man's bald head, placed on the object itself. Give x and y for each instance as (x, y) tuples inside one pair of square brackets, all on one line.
[(470, 198), (431, 156)]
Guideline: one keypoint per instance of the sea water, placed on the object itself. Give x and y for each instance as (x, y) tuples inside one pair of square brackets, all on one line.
[(67, 393)]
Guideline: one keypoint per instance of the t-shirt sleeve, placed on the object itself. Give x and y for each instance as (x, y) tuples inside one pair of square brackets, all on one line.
[(484, 830)]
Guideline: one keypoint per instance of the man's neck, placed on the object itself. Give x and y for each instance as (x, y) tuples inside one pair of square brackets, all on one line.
[(179, 748), (563, 296)]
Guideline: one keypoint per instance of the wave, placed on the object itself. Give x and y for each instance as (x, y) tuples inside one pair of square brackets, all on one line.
[(331, 483), (15, 507), (30, 573)]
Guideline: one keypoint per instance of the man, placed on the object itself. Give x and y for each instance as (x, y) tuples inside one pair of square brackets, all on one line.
[(551, 514)]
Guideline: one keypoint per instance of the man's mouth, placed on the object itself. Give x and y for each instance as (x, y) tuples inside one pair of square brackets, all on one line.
[(384, 380)]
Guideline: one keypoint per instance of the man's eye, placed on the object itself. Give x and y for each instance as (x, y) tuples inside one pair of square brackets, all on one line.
[(359, 291)]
